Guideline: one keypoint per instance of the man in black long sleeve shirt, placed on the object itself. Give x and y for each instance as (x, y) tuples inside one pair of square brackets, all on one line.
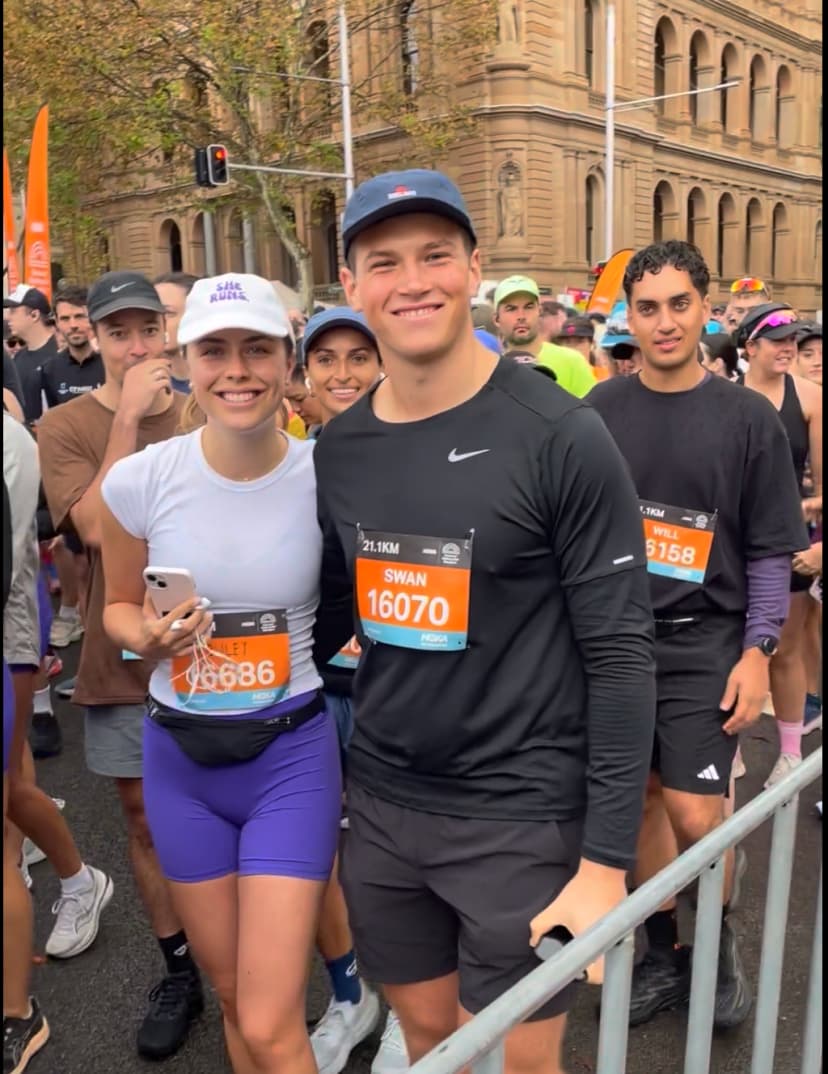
[(486, 528)]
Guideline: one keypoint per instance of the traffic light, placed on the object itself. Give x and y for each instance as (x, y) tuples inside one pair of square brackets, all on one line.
[(217, 170), (211, 166)]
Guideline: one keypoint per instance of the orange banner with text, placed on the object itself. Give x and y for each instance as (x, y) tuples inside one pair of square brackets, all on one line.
[(608, 285), (9, 237), (36, 254)]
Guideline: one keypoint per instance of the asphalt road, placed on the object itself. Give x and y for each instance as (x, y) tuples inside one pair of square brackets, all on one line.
[(95, 1001)]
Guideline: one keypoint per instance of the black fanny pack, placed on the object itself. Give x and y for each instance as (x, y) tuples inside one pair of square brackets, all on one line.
[(213, 741)]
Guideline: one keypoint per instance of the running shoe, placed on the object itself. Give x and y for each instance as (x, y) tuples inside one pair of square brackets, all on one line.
[(27, 876), (813, 714), (785, 763), (341, 1028), (23, 1038), (66, 688), (661, 982), (45, 736), (52, 665), (734, 996), (392, 1057), (174, 1004), (79, 917), (65, 631)]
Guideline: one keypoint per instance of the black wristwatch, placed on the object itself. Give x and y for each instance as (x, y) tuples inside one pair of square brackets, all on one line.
[(767, 645)]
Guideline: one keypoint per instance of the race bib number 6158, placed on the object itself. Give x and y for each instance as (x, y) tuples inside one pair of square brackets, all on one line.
[(678, 541)]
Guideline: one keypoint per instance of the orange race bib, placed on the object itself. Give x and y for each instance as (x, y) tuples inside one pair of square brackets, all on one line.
[(413, 592), (348, 656), (245, 664), (678, 541)]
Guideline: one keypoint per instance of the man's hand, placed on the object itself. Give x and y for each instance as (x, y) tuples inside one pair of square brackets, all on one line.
[(812, 508), (143, 383), (747, 688), (809, 562), (589, 895)]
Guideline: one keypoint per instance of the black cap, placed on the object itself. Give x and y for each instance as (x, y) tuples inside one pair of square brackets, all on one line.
[(754, 317), (30, 297), (116, 291), (808, 330), (577, 328)]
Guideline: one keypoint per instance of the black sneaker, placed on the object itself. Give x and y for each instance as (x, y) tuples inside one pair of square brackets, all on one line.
[(734, 996), (23, 1038), (661, 982), (174, 1003), (45, 735)]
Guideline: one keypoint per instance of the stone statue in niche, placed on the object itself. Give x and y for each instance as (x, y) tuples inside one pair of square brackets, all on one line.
[(507, 22), (510, 201)]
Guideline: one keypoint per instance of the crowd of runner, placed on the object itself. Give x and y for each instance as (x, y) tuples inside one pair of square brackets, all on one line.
[(368, 572)]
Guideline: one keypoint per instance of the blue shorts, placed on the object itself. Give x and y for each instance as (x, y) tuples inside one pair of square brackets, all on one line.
[(341, 708), (277, 815)]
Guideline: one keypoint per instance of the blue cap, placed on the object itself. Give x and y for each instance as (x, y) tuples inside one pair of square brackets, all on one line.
[(617, 330), (338, 317), (418, 190), (713, 328)]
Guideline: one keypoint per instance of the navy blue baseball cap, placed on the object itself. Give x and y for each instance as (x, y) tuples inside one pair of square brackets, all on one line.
[(418, 190), (338, 317)]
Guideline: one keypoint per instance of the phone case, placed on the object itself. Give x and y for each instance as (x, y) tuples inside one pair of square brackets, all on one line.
[(168, 587)]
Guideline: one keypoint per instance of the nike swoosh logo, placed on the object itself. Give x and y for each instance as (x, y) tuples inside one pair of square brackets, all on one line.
[(120, 287), (454, 457)]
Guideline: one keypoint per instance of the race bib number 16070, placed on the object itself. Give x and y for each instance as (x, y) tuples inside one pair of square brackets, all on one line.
[(413, 592)]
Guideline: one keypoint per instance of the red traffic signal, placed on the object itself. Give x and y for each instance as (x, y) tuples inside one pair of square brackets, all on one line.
[(217, 166)]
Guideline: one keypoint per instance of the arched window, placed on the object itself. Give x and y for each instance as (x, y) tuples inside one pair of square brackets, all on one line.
[(726, 216), (695, 214), (779, 242), (659, 66), (198, 258), (754, 223), (664, 211), (235, 241), (757, 85), (727, 73), (693, 80), (818, 247), (784, 113), (103, 254), (319, 60), (171, 246), (589, 41), (326, 254), (592, 236), (410, 52)]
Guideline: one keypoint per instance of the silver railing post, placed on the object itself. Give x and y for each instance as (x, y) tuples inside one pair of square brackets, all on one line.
[(492, 1062), (615, 1006), (773, 937), (812, 1038), (705, 968)]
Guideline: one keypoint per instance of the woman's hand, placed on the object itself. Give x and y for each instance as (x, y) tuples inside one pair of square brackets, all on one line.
[(175, 633)]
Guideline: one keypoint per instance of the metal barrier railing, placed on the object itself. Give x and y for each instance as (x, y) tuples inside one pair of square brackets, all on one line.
[(480, 1041)]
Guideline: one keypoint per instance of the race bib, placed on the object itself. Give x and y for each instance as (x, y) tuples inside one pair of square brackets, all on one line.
[(678, 541), (413, 592), (245, 664), (348, 656)]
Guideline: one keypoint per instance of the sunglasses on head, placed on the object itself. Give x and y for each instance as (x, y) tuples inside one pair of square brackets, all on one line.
[(747, 285), (774, 320)]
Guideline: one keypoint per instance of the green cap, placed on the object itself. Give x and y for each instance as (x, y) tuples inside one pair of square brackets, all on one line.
[(515, 285)]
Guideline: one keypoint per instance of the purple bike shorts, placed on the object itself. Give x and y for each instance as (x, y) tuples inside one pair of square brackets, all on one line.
[(44, 609), (277, 815)]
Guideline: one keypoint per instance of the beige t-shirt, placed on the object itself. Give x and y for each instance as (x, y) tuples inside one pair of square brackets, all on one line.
[(72, 439)]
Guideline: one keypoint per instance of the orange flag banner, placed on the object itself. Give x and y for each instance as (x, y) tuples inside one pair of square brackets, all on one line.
[(11, 265), (37, 254), (607, 286)]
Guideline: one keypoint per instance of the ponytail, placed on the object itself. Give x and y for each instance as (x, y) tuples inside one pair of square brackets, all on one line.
[(192, 416)]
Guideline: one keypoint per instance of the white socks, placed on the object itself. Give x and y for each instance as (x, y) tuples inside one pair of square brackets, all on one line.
[(81, 881)]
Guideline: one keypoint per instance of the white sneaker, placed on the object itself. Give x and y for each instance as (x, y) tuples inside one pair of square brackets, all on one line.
[(785, 763), (65, 631), (341, 1029), (392, 1057), (32, 854), (78, 917)]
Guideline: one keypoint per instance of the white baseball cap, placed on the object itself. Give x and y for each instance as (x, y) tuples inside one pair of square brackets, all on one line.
[(234, 300)]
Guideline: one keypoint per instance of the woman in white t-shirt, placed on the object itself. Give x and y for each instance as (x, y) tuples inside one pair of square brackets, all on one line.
[(241, 765)]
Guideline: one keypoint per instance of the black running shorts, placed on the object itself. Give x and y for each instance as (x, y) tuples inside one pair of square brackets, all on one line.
[(429, 895), (693, 661)]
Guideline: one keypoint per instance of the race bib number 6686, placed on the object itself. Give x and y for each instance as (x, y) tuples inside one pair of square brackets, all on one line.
[(413, 592)]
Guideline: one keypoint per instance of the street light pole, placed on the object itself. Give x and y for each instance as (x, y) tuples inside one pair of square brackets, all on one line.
[(609, 152), (345, 79)]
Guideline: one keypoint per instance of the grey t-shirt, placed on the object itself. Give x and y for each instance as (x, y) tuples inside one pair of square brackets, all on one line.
[(21, 472)]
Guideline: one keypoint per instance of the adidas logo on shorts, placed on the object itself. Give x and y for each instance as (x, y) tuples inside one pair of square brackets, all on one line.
[(708, 773)]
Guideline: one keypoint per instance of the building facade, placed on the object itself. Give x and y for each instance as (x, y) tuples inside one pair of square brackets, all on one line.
[(736, 170)]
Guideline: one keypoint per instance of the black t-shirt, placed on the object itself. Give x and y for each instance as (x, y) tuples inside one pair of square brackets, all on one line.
[(64, 378), (29, 365), (715, 449), (11, 380), (557, 671)]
